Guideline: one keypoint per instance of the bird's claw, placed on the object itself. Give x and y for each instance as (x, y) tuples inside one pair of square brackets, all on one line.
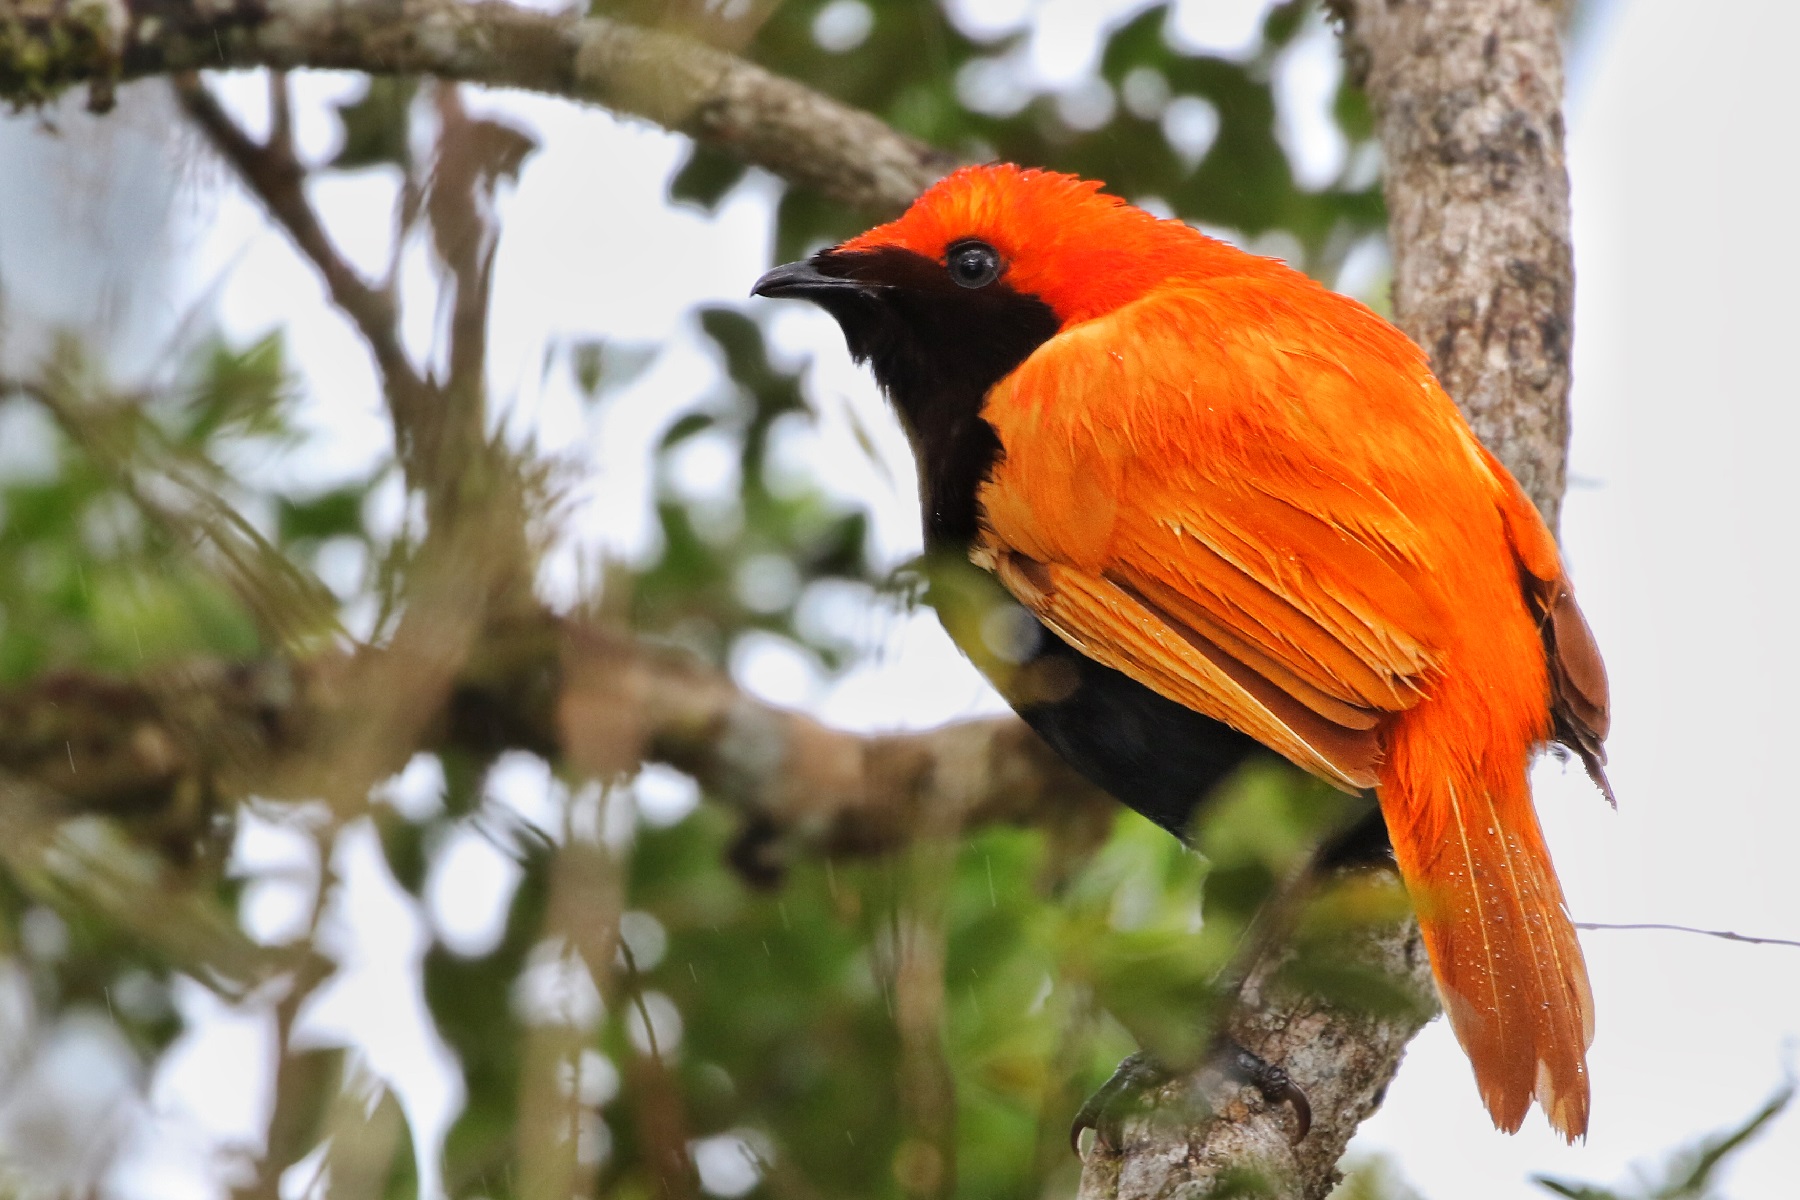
[(1274, 1084), (1105, 1110)]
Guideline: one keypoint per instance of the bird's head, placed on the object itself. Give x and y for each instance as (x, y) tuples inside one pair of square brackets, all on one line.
[(988, 264), (985, 267)]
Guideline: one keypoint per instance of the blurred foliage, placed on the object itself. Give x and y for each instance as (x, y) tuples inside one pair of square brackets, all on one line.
[(740, 1040), (122, 552), (1690, 1174), (1193, 132), (96, 562), (1373, 1178), (734, 557)]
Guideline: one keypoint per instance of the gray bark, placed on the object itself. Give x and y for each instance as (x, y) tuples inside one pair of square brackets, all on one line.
[(1210, 1134), (1468, 94)]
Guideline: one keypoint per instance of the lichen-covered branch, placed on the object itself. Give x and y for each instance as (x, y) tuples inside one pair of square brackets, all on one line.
[(1468, 97), (1342, 1056), (803, 136), (153, 751), (801, 784)]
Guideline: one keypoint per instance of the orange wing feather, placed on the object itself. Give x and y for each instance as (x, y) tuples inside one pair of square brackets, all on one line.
[(1251, 496), (1164, 463)]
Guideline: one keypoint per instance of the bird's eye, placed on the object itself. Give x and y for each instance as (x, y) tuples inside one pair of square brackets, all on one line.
[(973, 264)]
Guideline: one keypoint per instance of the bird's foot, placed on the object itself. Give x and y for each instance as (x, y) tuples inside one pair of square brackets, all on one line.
[(1273, 1082), (1128, 1092)]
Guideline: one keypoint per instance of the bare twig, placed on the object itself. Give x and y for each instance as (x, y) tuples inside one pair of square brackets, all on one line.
[(453, 459), (476, 496), (305, 1080), (925, 1164), (1725, 934), (663, 1124), (275, 175), (809, 139), (581, 926)]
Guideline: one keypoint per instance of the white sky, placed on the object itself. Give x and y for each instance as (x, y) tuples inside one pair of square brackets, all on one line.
[(1679, 532)]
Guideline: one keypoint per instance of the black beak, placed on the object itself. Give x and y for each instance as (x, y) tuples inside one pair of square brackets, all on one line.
[(804, 281)]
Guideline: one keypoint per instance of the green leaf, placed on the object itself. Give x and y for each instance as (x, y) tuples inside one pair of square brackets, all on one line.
[(337, 513), (601, 366), (705, 176), (377, 125), (237, 392), (1574, 1191), (686, 427)]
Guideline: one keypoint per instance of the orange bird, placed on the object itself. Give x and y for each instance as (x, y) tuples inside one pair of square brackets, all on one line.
[(1239, 509)]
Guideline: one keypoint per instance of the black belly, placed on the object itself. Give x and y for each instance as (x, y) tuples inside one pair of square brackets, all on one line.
[(1161, 758), (1147, 751)]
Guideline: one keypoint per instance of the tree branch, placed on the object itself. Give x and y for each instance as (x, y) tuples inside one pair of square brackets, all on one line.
[(1342, 1057), (148, 751), (805, 137), (1468, 96), (801, 785), (1662, 927), (273, 172)]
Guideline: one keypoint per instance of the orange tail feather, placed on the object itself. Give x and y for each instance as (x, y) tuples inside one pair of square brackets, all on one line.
[(1503, 949)]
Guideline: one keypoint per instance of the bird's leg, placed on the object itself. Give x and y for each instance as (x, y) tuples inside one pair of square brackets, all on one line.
[(1128, 1091), (1361, 844), (1273, 1082)]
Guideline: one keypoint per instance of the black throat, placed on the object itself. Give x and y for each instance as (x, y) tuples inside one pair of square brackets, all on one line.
[(937, 349)]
